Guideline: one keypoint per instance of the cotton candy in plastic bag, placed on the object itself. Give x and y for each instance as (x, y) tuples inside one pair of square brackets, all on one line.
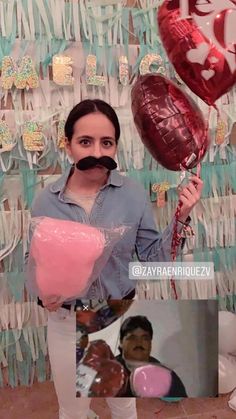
[(150, 380), (66, 257)]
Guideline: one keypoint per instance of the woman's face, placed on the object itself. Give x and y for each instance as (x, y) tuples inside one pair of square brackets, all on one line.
[(94, 135)]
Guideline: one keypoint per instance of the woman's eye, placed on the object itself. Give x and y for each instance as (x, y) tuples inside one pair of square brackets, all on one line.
[(84, 142), (107, 143)]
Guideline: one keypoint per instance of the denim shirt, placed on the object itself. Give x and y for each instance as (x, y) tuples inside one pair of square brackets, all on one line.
[(121, 201)]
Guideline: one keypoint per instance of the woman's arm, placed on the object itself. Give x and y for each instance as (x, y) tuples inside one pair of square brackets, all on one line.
[(152, 246)]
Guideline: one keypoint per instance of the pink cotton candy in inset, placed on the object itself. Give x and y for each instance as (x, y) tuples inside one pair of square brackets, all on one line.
[(151, 381), (64, 254)]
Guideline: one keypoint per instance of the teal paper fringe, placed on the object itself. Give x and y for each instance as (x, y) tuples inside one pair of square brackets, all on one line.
[(21, 372)]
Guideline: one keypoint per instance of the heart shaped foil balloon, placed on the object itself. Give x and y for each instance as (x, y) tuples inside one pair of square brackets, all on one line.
[(99, 374), (200, 41), (99, 314), (169, 122)]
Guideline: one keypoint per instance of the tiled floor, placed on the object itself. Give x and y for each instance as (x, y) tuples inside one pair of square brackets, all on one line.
[(39, 402)]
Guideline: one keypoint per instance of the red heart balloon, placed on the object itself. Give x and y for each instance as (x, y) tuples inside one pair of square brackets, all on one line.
[(100, 315), (99, 374), (169, 123), (98, 349), (202, 47)]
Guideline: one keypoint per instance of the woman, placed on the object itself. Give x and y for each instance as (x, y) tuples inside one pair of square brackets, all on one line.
[(94, 192)]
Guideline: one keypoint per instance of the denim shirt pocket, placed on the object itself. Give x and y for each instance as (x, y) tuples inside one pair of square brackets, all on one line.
[(125, 246), (122, 254)]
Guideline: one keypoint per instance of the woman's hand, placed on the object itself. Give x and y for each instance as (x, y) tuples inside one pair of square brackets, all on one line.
[(189, 195), (52, 303)]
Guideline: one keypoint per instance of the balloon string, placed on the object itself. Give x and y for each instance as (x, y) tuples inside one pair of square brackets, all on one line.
[(175, 243), (208, 119), (176, 236)]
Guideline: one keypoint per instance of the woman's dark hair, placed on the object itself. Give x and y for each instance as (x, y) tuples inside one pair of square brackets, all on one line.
[(90, 106), (132, 323)]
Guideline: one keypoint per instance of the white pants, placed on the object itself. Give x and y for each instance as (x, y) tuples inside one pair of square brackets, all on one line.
[(62, 354)]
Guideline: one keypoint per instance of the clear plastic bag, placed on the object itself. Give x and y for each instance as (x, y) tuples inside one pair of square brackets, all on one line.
[(66, 257), (149, 379)]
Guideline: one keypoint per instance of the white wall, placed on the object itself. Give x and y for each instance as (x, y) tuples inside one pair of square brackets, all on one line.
[(185, 339)]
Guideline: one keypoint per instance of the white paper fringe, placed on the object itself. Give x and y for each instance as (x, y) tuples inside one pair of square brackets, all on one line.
[(222, 285)]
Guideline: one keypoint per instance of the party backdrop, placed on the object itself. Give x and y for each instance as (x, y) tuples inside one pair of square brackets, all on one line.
[(54, 53)]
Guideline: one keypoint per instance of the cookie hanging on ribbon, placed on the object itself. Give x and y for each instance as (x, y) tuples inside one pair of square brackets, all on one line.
[(160, 189), (61, 134), (123, 70), (151, 59), (33, 136), (91, 67), (6, 140), (221, 130), (21, 74), (62, 70)]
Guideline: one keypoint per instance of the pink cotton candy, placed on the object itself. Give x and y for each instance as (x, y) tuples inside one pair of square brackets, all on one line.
[(151, 381), (64, 254)]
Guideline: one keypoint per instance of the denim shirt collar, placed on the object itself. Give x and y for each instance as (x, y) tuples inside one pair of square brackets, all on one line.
[(114, 179)]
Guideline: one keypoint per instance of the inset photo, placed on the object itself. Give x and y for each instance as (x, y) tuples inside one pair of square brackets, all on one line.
[(147, 349)]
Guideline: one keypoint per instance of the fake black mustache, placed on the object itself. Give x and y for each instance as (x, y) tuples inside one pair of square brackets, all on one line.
[(90, 162)]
